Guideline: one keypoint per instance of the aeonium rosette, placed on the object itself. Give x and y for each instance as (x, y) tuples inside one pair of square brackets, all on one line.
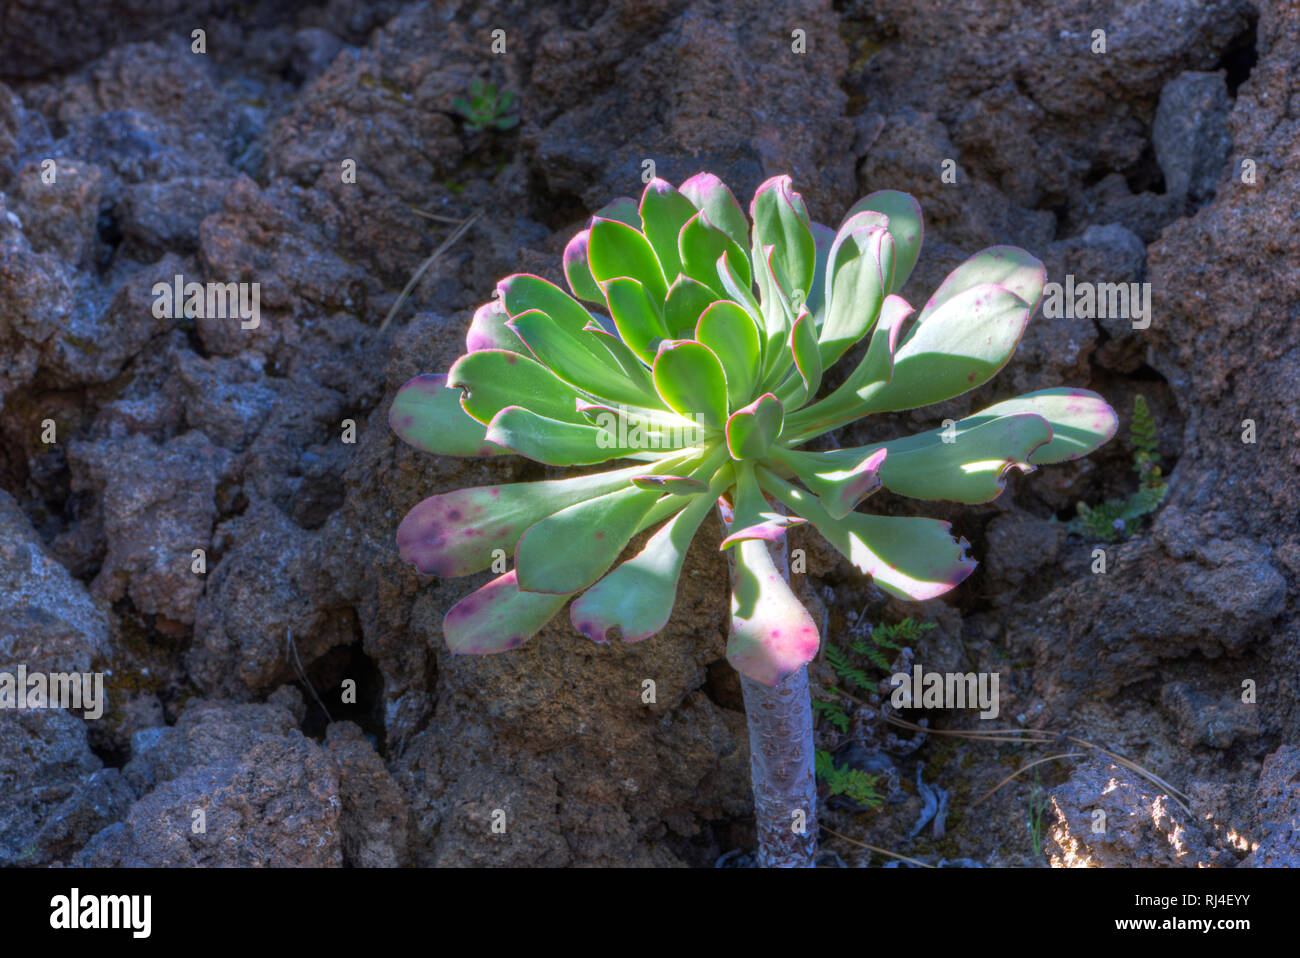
[(692, 352)]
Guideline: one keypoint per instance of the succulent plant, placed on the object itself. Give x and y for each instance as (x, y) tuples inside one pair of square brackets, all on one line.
[(485, 109), (699, 362)]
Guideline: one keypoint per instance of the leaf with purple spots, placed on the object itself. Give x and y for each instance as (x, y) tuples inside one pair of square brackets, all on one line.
[(966, 462), (493, 379), (961, 346), (427, 414), (1081, 421), (637, 597), (498, 617), (572, 548), (458, 533), (1007, 266)]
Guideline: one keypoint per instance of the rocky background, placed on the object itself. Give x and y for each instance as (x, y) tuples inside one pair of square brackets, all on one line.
[(225, 688)]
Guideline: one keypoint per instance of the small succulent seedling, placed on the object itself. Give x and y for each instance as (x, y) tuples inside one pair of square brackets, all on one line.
[(485, 109), (699, 362)]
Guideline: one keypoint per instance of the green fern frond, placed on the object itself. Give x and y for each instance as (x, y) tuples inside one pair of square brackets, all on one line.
[(845, 669), (1117, 519), (852, 783), (1142, 432), (831, 710)]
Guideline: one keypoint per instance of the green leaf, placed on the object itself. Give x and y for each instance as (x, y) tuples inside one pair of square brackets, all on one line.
[(845, 669), (658, 420), (524, 292), (906, 226), (1081, 421), (664, 212), (636, 316), (781, 221), (840, 479), (687, 301), (712, 198), (770, 528), (551, 441), (582, 360), (488, 330), (616, 353), (636, 431), (568, 551), (963, 463), (739, 292), (616, 249), (700, 245), (671, 485), (823, 238), (637, 598), (907, 556), (577, 272), (498, 617), (456, 533), (859, 286), (624, 209), (752, 429), (839, 254), (807, 362), (962, 345), (850, 400), (691, 382), (496, 378), (1007, 266), (777, 311), (729, 331), (427, 414)]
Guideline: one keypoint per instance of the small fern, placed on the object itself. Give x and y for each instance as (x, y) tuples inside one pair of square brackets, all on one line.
[(854, 784), (845, 669), (831, 710), (828, 706), (1116, 519), (1142, 433)]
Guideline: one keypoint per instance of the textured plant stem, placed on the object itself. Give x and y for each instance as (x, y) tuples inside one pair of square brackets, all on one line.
[(781, 755), (781, 770)]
